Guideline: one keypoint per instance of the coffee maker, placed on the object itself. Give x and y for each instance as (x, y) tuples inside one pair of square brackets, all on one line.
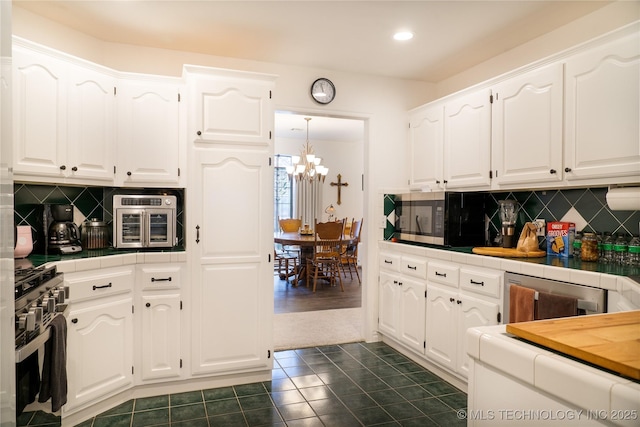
[(60, 234)]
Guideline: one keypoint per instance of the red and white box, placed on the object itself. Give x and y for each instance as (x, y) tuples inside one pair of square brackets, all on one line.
[(560, 236)]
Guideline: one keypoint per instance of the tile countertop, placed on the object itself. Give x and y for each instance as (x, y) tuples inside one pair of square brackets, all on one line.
[(100, 258), (623, 279)]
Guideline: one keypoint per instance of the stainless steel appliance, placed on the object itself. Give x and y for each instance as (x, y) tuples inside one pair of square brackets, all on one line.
[(40, 295), (144, 221), (441, 218), (590, 300)]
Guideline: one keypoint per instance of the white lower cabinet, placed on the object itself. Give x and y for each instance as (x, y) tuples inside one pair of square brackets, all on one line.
[(158, 331), (453, 307), (99, 336), (402, 300)]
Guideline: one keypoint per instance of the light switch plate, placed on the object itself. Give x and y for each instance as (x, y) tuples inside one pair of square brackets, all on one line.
[(541, 226)]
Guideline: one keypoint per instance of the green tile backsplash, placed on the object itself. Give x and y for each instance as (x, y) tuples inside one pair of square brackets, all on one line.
[(92, 202), (551, 205)]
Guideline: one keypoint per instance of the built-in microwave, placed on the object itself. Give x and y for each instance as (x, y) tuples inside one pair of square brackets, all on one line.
[(143, 221), (441, 218)]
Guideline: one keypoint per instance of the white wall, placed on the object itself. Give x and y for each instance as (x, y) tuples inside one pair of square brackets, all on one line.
[(344, 158)]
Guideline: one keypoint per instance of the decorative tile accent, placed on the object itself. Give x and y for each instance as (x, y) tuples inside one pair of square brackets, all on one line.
[(552, 205)]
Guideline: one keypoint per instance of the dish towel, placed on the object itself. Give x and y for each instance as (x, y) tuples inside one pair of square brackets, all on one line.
[(521, 304), (27, 381), (552, 305), (54, 366)]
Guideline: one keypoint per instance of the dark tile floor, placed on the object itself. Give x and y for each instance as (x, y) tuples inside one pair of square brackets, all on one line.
[(355, 384)]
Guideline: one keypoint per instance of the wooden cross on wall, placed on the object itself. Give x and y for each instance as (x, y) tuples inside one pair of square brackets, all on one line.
[(339, 184)]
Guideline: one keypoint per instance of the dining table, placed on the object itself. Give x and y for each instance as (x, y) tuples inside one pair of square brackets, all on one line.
[(306, 242)]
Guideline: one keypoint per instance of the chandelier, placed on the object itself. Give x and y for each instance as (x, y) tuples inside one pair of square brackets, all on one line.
[(307, 166)]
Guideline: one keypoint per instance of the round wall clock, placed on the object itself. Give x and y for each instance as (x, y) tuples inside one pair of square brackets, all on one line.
[(323, 91)]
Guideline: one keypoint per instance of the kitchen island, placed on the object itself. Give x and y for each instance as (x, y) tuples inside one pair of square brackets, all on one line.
[(516, 383)]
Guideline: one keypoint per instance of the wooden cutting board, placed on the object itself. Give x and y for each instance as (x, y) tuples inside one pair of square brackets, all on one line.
[(507, 252), (611, 340)]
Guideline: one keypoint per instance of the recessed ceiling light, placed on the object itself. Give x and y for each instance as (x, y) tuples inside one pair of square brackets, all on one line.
[(403, 35)]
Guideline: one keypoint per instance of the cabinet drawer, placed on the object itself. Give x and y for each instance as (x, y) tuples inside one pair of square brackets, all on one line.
[(156, 277), (389, 262), (99, 283), (414, 267), (485, 282), (444, 273)]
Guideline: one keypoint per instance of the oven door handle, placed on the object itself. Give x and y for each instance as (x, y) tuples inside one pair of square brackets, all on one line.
[(32, 346)]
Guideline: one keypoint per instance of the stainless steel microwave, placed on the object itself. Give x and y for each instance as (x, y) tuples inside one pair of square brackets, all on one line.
[(141, 221), (441, 218)]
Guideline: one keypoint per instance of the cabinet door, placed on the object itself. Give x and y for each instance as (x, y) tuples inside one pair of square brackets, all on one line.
[(99, 352), (39, 114), (148, 132), (472, 312), (235, 111), (231, 241), (91, 124), (388, 304), (602, 135), (467, 141), (527, 128), (411, 312), (441, 332), (426, 143), (160, 336)]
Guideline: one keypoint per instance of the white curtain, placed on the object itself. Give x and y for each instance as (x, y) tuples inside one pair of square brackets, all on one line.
[(308, 201)]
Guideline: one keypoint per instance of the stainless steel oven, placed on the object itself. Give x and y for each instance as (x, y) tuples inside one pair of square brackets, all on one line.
[(142, 221)]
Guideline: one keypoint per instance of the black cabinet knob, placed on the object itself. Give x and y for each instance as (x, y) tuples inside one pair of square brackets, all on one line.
[(199, 133), (452, 299), (74, 321), (567, 169), (129, 173), (75, 168), (148, 304), (63, 167), (552, 171)]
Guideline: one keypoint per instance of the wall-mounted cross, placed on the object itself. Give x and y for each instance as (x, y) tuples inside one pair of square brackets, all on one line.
[(339, 184)]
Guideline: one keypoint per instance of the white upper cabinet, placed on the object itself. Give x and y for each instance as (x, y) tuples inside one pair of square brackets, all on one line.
[(149, 131), (229, 107), (467, 141), (426, 133), (63, 119), (602, 134), (527, 128), (91, 133)]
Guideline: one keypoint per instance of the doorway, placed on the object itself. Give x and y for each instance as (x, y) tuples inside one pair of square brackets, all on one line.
[(328, 316)]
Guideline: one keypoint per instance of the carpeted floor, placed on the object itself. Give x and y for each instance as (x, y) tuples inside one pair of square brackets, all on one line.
[(317, 328)]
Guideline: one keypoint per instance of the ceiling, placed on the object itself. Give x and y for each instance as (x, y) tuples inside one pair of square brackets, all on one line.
[(348, 36)]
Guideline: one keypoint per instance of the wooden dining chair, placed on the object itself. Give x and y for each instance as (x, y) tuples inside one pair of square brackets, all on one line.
[(350, 254), (325, 263), (290, 225)]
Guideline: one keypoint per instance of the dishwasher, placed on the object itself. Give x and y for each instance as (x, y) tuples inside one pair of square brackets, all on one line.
[(590, 300)]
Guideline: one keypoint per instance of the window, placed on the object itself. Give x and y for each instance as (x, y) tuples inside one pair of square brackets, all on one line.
[(282, 190)]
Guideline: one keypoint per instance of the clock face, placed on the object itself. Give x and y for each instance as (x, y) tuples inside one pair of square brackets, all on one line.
[(323, 91)]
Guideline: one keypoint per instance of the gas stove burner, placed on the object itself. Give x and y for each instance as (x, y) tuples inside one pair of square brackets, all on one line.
[(27, 279)]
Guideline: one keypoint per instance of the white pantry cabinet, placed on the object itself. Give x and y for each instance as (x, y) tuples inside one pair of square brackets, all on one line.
[(149, 133), (527, 128), (467, 141), (401, 313), (159, 332), (602, 135), (99, 336), (63, 119), (426, 134), (230, 217)]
